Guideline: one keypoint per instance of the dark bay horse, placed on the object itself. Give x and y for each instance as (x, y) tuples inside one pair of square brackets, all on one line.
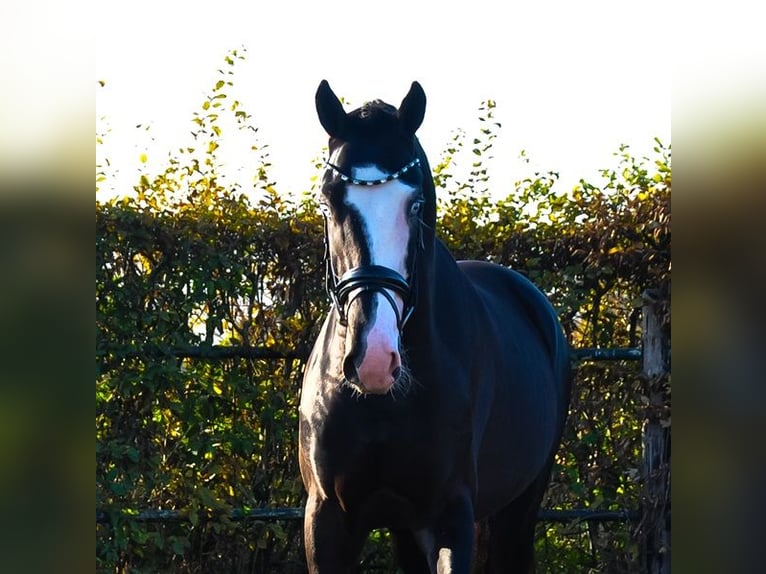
[(437, 390)]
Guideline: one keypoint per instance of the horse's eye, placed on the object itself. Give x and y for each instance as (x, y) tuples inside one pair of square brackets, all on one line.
[(416, 207)]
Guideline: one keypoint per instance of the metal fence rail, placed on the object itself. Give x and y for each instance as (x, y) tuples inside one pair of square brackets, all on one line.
[(222, 352), (239, 514)]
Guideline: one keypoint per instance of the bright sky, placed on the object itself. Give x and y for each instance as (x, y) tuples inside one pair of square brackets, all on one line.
[(572, 80)]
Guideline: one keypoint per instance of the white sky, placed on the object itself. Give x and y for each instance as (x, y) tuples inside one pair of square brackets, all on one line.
[(572, 80)]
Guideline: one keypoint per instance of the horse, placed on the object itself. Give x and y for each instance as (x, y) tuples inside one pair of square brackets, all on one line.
[(435, 395)]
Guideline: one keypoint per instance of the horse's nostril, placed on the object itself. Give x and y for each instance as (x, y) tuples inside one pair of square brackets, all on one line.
[(349, 370), (396, 372)]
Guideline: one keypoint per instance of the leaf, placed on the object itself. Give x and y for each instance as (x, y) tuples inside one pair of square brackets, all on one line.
[(132, 453)]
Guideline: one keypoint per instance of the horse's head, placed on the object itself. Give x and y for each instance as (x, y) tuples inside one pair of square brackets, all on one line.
[(372, 197)]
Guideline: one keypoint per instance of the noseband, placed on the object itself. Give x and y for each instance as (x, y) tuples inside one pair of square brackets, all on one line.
[(371, 278)]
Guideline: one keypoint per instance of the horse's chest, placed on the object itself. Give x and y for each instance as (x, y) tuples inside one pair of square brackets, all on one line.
[(379, 450), (379, 462), (392, 483)]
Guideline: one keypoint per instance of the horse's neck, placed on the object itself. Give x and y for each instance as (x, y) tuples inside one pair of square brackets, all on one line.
[(441, 286)]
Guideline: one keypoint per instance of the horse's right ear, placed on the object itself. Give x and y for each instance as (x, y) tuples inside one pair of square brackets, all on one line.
[(330, 110)]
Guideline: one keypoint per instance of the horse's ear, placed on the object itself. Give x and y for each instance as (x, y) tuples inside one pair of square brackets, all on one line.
[(412, 109), (330, 110)]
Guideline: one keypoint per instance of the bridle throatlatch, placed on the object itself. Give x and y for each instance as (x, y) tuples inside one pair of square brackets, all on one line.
[(372, 278)]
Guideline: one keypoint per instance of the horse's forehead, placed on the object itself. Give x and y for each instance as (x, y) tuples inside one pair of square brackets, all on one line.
[(388, 154), (373, 135)]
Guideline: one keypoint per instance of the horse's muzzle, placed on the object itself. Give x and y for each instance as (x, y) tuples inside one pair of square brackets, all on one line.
[(372, 362), (377, 372)]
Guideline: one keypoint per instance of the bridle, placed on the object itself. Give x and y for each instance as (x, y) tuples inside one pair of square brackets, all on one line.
[(372, 278), (396, 175)]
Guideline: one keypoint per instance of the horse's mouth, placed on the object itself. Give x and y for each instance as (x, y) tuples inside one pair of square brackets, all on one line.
[(399, 384)]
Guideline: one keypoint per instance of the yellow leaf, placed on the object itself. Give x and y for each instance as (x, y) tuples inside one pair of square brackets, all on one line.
[(143, 158)]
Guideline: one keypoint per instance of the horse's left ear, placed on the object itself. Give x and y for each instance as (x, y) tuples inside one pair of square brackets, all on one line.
[(412, 109)]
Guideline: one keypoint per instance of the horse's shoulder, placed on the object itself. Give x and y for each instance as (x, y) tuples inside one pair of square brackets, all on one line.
[(503, 288)]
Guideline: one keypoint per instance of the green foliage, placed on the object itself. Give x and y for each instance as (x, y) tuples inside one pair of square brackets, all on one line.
[(189, 260)]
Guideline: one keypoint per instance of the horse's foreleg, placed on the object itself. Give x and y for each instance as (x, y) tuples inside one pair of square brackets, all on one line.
[(512, 531), (409, 554), (449, 544), (331, 548)]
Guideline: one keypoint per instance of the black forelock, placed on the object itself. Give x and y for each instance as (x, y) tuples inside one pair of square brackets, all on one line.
[(373, 134), (373, 119), (373, 109)]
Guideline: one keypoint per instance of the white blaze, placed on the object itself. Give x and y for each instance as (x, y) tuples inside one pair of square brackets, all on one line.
[(384, 210)]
